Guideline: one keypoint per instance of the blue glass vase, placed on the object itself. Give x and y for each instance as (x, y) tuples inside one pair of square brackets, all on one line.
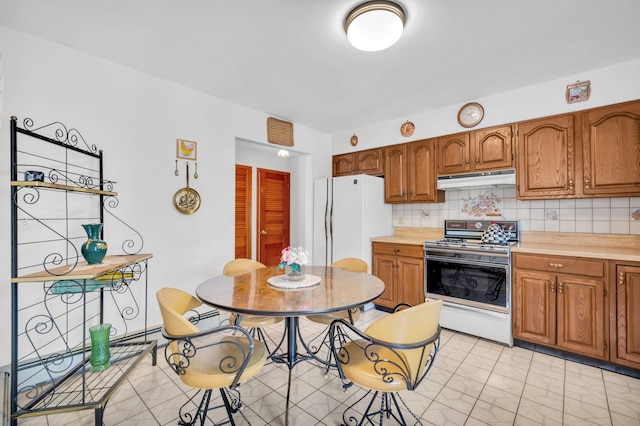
[(94, 249)]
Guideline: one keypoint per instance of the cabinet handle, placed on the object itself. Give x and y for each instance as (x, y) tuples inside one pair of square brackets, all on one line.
[(411, 193), (396, 250), (466, 161), (477, 161), (556, 265), (553, 287), (571, 184), (587, 183), (404, 193), (621, 278), (560, 288)]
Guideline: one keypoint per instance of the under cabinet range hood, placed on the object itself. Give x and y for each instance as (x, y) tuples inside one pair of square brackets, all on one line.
[(494, 179)]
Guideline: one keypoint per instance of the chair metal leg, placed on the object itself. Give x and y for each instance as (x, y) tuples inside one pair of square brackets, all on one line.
[(186, 418), (258, 333), (389, 409)]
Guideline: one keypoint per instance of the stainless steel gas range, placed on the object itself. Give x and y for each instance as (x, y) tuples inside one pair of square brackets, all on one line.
[(472, 277)]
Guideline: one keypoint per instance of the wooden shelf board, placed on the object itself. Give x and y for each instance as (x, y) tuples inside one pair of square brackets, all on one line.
[(62, 187), (83, 270)]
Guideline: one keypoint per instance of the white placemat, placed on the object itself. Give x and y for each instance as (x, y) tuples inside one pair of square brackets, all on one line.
[(281, 281)]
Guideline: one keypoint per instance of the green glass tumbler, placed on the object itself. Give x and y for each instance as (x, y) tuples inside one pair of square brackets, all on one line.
[(100, 354)]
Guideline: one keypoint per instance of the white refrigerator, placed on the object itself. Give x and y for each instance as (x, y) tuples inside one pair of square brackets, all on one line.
[(347, 212)]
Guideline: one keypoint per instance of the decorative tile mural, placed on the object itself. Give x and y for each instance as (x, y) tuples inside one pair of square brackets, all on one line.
[(483, 204), (596, 215)]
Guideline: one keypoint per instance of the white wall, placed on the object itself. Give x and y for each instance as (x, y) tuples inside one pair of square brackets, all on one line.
[(609, 85), (135, 119)]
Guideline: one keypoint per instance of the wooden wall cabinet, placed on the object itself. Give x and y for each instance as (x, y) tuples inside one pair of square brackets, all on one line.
[(401, 268), (560, 302), (625, 318), (480, 150), (546, 157), (410, 175), (587, 154), (370, 162), (611, 150)]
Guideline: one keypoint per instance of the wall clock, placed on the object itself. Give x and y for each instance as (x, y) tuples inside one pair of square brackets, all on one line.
[(407, 129), (470, 114)]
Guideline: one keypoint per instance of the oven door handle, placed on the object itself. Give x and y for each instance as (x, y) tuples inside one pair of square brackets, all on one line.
[(474, 309), (465, 262)]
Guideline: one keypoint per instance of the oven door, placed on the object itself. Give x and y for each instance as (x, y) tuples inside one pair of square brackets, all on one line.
[(469, 281)]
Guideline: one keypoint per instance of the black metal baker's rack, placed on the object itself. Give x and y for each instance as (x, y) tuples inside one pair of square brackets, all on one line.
[(57, 184)]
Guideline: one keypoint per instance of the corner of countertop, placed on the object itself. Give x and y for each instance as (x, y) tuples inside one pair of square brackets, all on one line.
[(406, 235)]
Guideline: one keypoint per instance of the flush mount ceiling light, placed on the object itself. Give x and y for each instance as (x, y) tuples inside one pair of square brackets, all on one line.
[(283, 153), (374, 25)]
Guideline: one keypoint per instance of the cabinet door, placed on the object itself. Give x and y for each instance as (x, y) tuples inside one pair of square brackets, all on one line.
[(611, 150), (628, 314), (395, 178), (410, 283), (384, 267), (344, 164), (454, 152), (546, 158), (370, 162), (421, 172), (580, 316), (534, 307), (493, 148)]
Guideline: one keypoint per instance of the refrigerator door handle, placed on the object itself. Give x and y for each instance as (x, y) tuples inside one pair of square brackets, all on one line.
[(326, 230), (330, 245)]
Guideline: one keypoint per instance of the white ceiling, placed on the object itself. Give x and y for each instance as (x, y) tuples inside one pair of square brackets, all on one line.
[(291, 58)]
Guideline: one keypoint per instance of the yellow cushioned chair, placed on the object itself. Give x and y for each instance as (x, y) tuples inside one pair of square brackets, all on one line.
[(253, 323), (393, 354), (349, 264), (220, 358)]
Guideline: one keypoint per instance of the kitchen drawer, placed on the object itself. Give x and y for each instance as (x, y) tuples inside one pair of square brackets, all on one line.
[(560, 264), (408, 250)]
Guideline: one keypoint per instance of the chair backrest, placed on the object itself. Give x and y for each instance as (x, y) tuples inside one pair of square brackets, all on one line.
[(412, 325), (174, 304), (241, 266), (351, 264)]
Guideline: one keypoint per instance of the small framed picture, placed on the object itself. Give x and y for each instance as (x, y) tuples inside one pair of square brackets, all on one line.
[(578, 92), (187, 150)]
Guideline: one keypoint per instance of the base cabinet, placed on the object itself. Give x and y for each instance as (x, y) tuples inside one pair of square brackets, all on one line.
[(626, 321), (401, 268), (560, 302)]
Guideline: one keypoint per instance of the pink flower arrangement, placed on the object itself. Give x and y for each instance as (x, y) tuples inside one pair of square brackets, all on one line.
[(294, 257)]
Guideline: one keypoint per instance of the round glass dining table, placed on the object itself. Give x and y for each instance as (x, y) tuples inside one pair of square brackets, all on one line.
[(251, 293)]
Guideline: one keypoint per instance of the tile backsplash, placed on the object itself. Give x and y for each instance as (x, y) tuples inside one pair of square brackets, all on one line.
[(594, 215)]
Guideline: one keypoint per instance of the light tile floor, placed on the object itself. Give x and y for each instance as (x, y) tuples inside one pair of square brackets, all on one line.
[(473, 382)]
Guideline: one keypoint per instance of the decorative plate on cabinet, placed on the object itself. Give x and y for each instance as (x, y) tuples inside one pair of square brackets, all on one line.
[(354, 140), (407, 129), (470, 114)]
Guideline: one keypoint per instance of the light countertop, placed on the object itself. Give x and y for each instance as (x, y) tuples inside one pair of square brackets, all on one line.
[(599, 246)]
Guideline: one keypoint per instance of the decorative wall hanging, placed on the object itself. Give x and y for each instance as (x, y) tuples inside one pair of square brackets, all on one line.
[(187, 200), (354, 140), (279, 132), (187, 150), (470, 114), (407, 129), (578, 92)]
